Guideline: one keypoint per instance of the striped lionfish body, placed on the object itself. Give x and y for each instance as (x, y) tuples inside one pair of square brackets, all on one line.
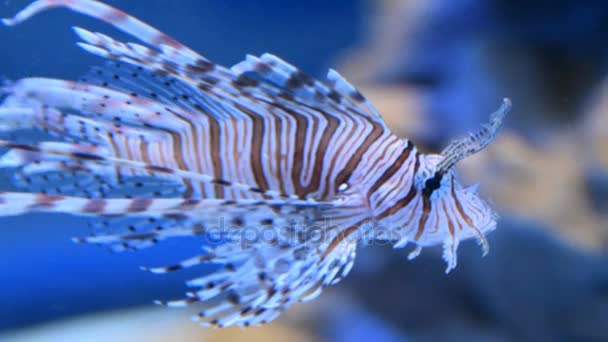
[(290, 171)]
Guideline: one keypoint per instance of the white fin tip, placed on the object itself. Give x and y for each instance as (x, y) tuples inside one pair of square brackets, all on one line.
[(415, 253)]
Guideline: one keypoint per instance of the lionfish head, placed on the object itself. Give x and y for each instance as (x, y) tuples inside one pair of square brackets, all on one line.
[(439, 209), (448, 212)]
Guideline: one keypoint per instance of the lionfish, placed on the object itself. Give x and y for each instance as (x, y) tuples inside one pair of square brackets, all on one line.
[(288, 173)]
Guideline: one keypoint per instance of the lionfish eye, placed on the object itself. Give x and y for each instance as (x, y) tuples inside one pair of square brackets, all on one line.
[(432, 184)]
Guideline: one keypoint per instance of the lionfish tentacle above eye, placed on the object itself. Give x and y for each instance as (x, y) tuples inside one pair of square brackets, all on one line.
[(474, 142), (291, 171)]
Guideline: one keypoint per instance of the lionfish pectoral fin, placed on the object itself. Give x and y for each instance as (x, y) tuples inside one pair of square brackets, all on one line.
[(212, 218), (474, 142), (259, 279), (186, 263)]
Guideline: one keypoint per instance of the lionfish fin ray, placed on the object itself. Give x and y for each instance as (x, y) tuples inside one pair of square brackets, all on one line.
[(346, 89), (113, 16), (336, 92)]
